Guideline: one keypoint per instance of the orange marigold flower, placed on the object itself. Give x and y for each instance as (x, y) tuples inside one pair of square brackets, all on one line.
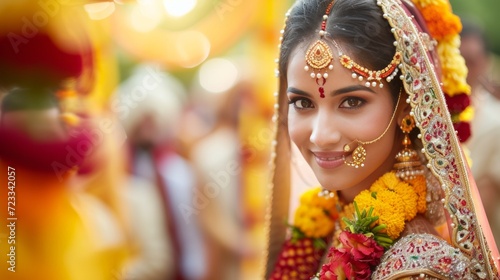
[(390, 210), (425, 3), (420, 187), (440, 20)]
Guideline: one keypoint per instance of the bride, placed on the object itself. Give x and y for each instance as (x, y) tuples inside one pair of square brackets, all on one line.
[(363, 87)]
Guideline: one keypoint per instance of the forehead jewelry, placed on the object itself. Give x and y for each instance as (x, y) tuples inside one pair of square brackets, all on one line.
[(319, 56), (373, 77)]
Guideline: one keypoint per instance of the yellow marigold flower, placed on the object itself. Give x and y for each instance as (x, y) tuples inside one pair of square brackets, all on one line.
[(327, 203), (395, 223), (387, 206), (313, 221), (307, 197), (390, 212), (408, 198), (364, 200), (419, 185), (406, 194), (466, 115), (391, 203), (394, 201), (453, 66), (315, 215), (389, 180)]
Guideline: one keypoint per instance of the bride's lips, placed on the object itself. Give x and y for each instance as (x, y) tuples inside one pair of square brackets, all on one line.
[(329, 160)]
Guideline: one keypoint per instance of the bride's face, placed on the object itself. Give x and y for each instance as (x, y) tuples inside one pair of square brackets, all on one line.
[(320, 127)]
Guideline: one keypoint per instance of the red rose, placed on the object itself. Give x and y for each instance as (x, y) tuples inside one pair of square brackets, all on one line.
[(362, 248), (464, 130), (457, 103)]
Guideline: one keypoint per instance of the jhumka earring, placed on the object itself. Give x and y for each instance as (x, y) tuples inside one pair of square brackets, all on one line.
[(319, 56), (408, 164)]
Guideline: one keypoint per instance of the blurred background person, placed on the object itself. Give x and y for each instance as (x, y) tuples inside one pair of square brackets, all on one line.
[(483, 144), (216, 157), (161, 181)]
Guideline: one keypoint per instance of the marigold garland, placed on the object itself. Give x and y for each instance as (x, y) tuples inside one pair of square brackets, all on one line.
[(444, 26), (393, 200), (371, 223), (454, 70), (316, 215), (440, 20)]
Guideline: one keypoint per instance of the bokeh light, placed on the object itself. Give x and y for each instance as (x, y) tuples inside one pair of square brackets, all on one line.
[(218, 75), (192, 48), (98, 11), (144, 19), (179, 8)]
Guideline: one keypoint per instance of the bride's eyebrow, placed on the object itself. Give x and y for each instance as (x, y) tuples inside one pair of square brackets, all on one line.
[(334, 92), (351, 89), (298, 91)]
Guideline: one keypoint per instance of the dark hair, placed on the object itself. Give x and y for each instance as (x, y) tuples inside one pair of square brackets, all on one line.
[(356, 24)]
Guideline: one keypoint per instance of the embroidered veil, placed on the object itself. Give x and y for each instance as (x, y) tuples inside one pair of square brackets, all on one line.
[(453, 194)]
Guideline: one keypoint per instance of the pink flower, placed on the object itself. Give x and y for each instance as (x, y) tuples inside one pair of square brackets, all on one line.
[(353, 260), (342, 266), (337, 264), (363, 249)]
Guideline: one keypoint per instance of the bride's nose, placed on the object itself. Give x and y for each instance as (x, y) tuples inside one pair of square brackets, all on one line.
[(325, 133)]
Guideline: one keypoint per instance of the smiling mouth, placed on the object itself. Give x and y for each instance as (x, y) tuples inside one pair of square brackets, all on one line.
[(329, 160)]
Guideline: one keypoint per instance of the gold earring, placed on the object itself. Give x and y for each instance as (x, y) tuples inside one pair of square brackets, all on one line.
[(408, 163)]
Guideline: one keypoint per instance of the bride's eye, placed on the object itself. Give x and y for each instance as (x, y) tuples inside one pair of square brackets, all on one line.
[(301, 103), (352, 103)]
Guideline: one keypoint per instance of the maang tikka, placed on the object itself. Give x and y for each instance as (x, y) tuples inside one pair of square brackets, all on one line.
[(319, 56)]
